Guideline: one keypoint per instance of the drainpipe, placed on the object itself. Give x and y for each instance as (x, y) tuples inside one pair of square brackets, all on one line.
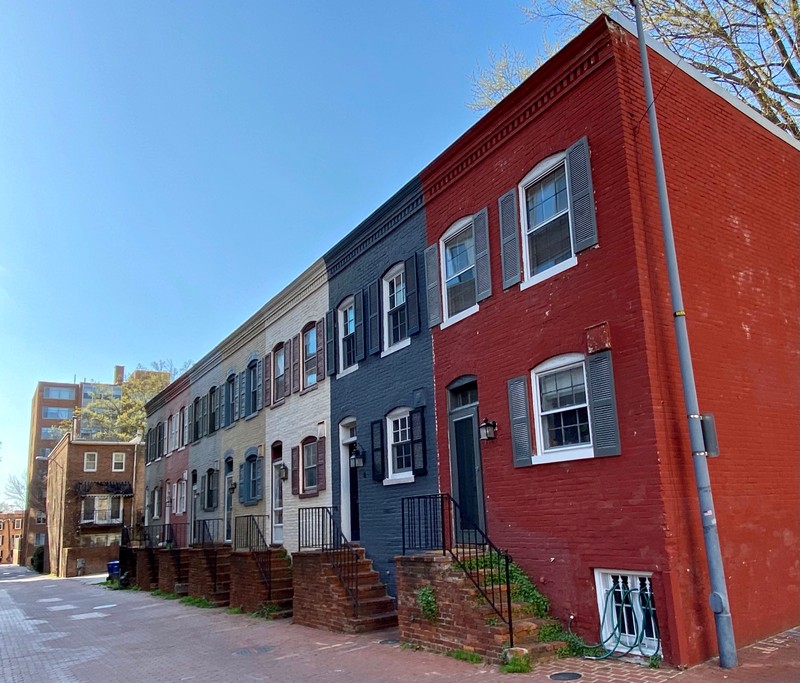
[(718, 599)]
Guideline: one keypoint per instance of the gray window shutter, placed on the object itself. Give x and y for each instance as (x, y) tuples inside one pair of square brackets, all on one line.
[(260, 385), (259, 478), (420, 464), (203, 497), (204, 421), (602, 404), (412, 297), (377, 450), (296, 363), (321, 478), (320, 350), (483, 267), (243, 487), (215, 492), (358, 309), (242, 392), (221, 408), (374, 317), (287, 368), (266, 385), (236, 397), (509, 237), (433, 294), (190, 413), (581, 196), (330, 342), (295, 470), (520, 422)]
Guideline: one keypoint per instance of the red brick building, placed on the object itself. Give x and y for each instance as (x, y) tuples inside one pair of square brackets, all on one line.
[(90, 487), (551, 315), (10, 535)]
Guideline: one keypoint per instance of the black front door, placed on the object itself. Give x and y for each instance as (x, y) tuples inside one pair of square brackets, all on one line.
[(465, 458)]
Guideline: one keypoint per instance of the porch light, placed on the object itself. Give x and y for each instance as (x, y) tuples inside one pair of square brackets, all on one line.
[(356, 457), (283, 472), (488, 430), (231, 487)]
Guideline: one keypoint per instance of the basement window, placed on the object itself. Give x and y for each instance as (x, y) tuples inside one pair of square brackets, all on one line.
[(627, 608)]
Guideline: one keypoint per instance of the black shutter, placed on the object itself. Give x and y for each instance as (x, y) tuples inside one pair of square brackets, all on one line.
[(509, 238), (320, 350), (295, 470), (374, 317), (433, 295), (412, 297), (287, 368), (358, 311), (581, 196), (266, 384), (519, 420), (330, 342), (377, 451), (321, 479), (602, 404), (483, 267), (420, 462), (296, 363), (204, 412)]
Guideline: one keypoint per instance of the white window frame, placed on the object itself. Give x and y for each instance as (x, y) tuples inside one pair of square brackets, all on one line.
[(457, 227), (307, 357), (571, 452), (603, 583), (279, 389), (155, 512), (181, 504), (348, 303), (183, 428), (86, 460), (534, 176), (115, 461), (41, 518), (108, 501), (393, 476), (397, 270), (303, 467), (17, 523), (251, 387)]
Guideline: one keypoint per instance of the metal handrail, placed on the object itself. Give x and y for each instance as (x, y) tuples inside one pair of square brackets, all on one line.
[(248, 535), (161, 535), (436, 522), (207, 532), (319, 530)]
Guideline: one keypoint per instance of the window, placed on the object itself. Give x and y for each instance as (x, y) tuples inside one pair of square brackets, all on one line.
[(2, 524), (183, 428), (44, 452), (159, 440), (90, 462), (250, 479), (279, 372), (180, 506), (103, 509), (628, 611), (347, 334), (310, 356), (562, 408), (53, 433), (60, 393), (395, 321), (38, 539), (309, 464), (213, 410), (197, 427), (398, 426), (51, 413), (41, 517), (230, 393), (459, 271), (156, 503), (118, 462), (253, 387), (17, 523), (210, 489)]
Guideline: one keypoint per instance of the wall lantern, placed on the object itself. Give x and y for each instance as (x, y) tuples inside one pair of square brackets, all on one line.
[(488, 430), (231, 487), (283, 472), (356, 457)]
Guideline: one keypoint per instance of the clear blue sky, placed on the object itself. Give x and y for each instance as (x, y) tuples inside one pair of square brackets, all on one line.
[(165, 168)]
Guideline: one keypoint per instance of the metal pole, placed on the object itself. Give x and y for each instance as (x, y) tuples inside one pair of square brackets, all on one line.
[(718, 599)]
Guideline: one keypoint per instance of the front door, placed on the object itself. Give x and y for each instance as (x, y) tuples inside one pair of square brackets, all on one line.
[(277, 503), (465, 459), (228, 509)]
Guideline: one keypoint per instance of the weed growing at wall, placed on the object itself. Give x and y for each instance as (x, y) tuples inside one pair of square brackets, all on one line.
[(426, 600)]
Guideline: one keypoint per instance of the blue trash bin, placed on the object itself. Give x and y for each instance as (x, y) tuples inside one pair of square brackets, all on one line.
[(113, 569)]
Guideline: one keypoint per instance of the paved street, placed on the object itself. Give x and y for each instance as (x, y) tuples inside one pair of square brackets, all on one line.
[(74, 631)]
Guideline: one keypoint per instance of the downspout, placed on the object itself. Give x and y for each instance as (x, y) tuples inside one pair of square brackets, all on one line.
[(718, 599)]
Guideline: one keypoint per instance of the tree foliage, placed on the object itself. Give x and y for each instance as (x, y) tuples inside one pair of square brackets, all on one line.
[(750, 47)]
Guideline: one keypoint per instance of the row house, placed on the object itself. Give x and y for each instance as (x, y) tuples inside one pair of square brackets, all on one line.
[(488, 361)]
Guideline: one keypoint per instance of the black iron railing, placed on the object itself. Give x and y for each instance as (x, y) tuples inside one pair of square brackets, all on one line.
[(436, 522), (208, 532), (249, 535), (162, 535), (319, 530)]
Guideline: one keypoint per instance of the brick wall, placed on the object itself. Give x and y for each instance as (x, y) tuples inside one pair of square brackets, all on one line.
[(319, 599), (209, 572), (146, 569), (96, 560), (173, 567)]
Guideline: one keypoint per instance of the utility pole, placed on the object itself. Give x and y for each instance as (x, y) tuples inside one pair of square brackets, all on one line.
[(718, 599)]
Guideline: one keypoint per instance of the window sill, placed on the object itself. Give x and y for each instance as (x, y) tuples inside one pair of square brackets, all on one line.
[(347, 371), (459, 316), (565, 455), (309, 494), (277, 404), (399, 479), (181, 449), (550, 272), (251, 416), (397, 347), (308, 389)]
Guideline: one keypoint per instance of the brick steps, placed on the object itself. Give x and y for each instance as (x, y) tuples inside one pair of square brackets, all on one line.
[(249, 590)]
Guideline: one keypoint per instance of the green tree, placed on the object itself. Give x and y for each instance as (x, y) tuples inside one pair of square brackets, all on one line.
[(750, 47)]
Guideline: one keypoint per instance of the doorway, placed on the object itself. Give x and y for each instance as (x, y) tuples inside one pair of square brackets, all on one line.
[(277, 501), (465, 457), (350, 518)]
